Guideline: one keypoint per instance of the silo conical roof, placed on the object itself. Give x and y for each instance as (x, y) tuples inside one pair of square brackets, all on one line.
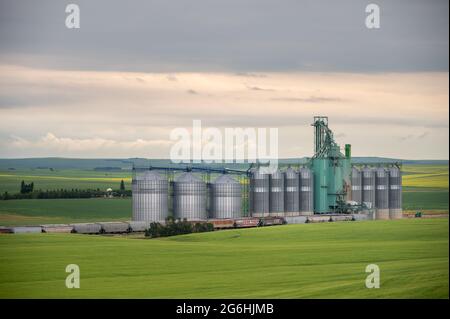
[(225, 179), (150, 176), (188, 177)]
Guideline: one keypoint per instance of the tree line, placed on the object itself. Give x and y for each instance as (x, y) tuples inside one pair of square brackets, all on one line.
[(27, 191), (173, 227)]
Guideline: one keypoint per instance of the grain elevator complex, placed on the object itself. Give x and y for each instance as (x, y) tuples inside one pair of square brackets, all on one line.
[(328, 187)]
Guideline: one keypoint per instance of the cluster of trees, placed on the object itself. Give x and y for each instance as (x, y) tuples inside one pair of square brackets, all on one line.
[(174, 227), (26, 188), (27, 192)]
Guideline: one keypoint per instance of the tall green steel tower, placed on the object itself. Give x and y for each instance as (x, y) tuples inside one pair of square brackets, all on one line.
[(331, 169)]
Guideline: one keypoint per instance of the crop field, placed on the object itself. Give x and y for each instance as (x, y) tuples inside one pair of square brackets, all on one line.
[(425, 187), (431, 176), (46, 179), (56, 211), (291, 261)]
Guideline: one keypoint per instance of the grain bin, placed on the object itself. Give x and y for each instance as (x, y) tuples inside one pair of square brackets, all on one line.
[(306, 191), (395, 193), (276, 200), (368, 185), (259, 193), (291, 192), (189, 197), (356, 185), (150, 197), (382, 193), (226, 198)]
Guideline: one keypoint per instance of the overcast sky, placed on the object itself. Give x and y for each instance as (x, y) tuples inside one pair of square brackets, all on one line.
[(117, 86)]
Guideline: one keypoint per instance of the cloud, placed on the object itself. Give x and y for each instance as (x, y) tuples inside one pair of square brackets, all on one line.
[(257, 88), (415, 136), (113, 111), (407, 137), (85, 147), (172, 78), (251, 75), (169, 36), (423, 135), (311, 99), (340, 135)]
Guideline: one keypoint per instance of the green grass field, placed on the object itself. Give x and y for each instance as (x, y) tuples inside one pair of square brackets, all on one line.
[(292, 261), (55, 211)]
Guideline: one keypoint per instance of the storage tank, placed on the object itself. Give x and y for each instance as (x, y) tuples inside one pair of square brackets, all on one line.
[(150, 197), (291, 192), (189, 197), (368, 185), (356, 185), (395, 193), (226, 198), (306, 200), (259, 193), (382, 193), (276, 201)]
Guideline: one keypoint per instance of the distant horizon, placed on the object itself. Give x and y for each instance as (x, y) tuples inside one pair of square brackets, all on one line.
[(168, 159)]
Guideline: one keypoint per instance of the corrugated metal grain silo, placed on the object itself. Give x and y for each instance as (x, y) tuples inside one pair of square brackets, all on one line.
[(382, 193), (291, 192), (259, 191), (226, 198), (395, 193), (368, 184), (276, 201), (150, 197), (306, 200), (356, 185), (189, 197)]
